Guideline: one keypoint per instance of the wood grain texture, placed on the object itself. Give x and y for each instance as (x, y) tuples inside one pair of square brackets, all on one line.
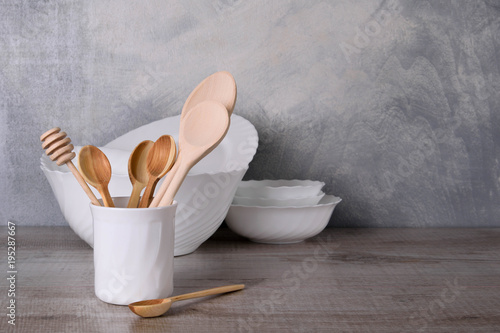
[(96, 170), (159, 161), (343, 280), (137, 171)]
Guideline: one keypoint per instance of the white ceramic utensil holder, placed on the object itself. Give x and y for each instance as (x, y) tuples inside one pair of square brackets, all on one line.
[(133, 252)]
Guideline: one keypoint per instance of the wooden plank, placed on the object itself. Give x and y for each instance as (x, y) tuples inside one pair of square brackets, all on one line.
[(343, 280)]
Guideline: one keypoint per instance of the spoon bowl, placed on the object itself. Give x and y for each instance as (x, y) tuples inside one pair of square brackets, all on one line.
[(201, 131), (137, 171), (151, 308), (219, 86), (157, 307), (96, 170), (159, 161)]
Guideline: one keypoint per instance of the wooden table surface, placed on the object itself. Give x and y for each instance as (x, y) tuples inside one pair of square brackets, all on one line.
[(343, 280)]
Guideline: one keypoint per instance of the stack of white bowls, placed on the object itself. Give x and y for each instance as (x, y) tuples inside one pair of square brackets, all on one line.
[(203, 199), (280, 211)]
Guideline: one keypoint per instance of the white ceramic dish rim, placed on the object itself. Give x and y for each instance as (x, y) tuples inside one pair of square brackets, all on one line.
[(320, 194), (47, 168), (241, 133), (268, 183), (238, 126), (331, 200), (124, 209)]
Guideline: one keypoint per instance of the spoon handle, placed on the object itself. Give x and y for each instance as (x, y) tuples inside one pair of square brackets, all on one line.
[(134, 196), (165, 185), (175, 184), (208, 292), (82, 183), (106, 197), (148, 192)]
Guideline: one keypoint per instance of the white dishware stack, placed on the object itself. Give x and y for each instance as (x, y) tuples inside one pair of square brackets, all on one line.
[(280, 211)]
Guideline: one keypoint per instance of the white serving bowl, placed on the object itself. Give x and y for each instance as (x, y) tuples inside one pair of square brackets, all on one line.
[(281, 225), (203, 199), (280, 189), (297, 202)]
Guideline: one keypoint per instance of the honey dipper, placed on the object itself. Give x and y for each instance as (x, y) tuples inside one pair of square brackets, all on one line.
[(58, 148)]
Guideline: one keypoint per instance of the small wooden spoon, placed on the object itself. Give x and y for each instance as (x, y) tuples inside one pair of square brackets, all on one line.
[(160, 159), (219, 87), (96, 170), (201, 131), (138, 172), (157, 307)]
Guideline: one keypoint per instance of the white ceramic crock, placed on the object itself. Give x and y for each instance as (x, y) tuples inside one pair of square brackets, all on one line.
[(133, 252)]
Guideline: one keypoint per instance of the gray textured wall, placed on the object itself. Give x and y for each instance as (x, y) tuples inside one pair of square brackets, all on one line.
[(395, 104)]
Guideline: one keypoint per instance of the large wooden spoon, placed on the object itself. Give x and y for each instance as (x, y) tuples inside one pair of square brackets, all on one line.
[(160, 159), (201, 131), (138, 172), (219, 87), (96, 170), (157, 307)]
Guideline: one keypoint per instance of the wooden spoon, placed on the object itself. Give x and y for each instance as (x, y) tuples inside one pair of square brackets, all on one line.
[(219, 87), (157, 307), (201, 131), (59, 148), (96, 170), (160, 159), (138, 172)]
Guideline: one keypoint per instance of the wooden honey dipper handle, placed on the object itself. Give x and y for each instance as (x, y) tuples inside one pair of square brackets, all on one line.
[(59, 149)]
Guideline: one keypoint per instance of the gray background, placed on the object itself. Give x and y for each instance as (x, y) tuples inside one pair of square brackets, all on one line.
[(394, 104)]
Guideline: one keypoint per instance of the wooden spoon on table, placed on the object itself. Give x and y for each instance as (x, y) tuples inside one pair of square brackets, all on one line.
[(160, 159), (138, 172), (219, 87), (201, 131), (157, 307), (96, 170)]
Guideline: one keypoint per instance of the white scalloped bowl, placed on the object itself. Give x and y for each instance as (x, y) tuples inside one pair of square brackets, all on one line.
[(281, 225), (297, 202), (203, 199), (280, 189)]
